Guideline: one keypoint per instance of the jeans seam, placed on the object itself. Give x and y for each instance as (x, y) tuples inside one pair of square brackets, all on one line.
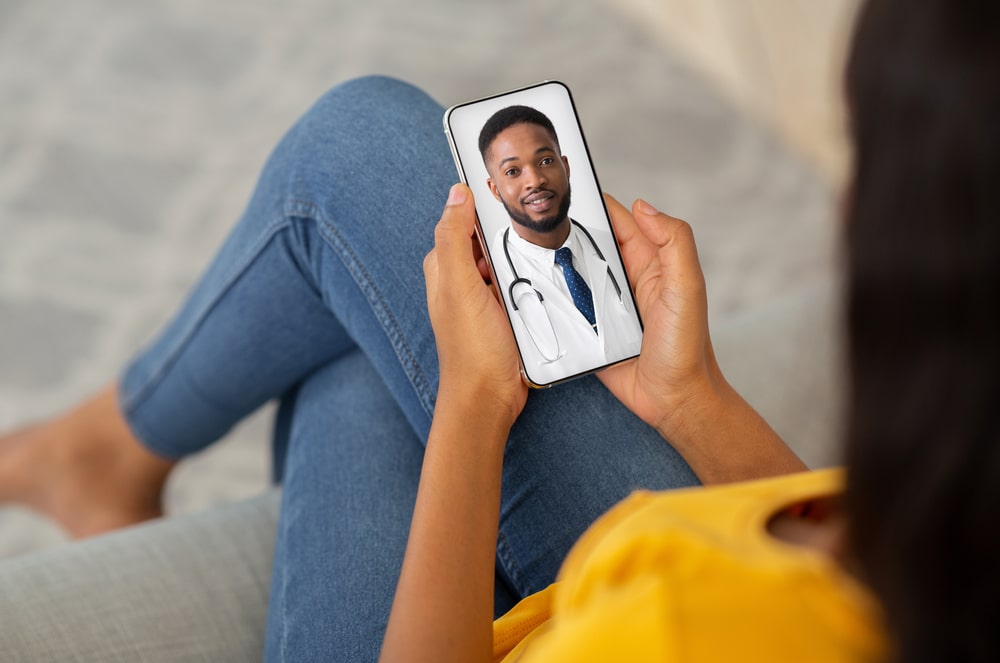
[(131, 401), (336, 241), (282, 648), (506, 556)]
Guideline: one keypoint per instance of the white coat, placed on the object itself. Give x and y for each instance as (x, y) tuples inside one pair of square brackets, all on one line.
[(555, 340)]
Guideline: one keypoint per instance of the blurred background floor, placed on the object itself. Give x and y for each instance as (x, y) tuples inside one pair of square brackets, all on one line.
[(131, 135)]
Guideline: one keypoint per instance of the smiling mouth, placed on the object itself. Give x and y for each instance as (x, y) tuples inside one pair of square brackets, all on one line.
[(539, 201)]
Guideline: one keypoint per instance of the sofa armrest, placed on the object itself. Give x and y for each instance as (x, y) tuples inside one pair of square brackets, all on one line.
[(186, 588)]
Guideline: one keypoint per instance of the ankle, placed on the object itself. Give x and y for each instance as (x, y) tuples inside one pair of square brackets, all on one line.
[(85, 469)]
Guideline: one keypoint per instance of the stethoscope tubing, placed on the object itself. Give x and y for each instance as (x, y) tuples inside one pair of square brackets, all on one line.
[(521, 279)]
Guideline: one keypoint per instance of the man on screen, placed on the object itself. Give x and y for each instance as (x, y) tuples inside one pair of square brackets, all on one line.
[(571, 313)]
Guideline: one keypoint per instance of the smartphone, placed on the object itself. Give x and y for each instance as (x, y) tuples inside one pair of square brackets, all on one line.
[(545, 231)]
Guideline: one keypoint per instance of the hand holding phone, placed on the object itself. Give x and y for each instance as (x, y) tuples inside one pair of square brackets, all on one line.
[(677, 366), (546, 234), (475, 366)]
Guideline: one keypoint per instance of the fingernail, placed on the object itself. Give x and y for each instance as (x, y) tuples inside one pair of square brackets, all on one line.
[(457, 195), (646, 208)]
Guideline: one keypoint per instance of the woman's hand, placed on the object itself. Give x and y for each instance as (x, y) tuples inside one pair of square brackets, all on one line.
[(676, 366), (476, 353), (675, 384)]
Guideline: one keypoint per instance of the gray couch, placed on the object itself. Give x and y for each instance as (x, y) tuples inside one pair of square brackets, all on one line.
[(190, 588)]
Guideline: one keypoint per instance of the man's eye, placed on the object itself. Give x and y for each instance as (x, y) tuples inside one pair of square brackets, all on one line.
[(511, 172), (547, 161)]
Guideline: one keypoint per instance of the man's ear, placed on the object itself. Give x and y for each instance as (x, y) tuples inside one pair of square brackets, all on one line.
[(566, 164), (494, 189)]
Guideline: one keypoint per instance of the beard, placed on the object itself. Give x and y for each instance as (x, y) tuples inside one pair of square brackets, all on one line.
[(545, 224)]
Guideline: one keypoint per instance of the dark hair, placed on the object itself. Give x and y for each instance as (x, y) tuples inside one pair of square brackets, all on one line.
[(508, 117), (923, 237)]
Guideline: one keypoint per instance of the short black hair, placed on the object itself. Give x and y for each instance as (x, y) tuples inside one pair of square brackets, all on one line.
[(508, 117)]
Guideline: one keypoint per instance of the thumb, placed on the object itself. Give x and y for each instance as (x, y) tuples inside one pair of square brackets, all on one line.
[(673, 240), (453, 233)]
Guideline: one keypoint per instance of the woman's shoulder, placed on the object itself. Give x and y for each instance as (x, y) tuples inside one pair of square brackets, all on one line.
[(725, 512), (692, 574)]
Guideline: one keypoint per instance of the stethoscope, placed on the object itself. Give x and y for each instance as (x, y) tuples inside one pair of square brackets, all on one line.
[(539, 327)]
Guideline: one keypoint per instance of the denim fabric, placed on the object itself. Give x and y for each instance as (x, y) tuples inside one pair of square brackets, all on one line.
[(317, 298)]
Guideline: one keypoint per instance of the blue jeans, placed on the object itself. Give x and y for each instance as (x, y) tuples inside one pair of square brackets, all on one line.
[(317, 298)]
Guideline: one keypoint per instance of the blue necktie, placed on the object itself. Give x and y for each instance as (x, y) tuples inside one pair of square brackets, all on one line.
[(578, 288)]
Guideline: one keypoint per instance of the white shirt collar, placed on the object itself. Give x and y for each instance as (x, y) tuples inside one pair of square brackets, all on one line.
[(540, 254)]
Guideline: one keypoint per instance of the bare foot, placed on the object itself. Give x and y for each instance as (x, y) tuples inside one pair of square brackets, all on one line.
[(84, 469)]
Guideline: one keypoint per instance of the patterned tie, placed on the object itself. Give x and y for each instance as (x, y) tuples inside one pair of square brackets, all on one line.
[(578, 288)]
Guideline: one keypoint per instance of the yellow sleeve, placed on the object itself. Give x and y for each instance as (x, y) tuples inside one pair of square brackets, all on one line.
[(622, 618), (524, 619), (624, 625)]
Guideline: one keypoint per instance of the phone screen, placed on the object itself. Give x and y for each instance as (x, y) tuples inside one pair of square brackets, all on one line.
[(545, 231)]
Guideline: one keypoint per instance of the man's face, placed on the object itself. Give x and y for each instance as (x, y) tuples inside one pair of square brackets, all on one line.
[(530, 177)]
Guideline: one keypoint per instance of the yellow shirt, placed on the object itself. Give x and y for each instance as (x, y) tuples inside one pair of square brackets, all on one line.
[(693, 575)]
